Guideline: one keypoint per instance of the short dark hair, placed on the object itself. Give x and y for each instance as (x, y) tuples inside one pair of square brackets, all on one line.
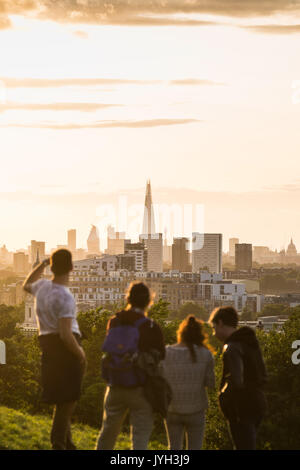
[(61, 262), (228, 316), (139, 295)]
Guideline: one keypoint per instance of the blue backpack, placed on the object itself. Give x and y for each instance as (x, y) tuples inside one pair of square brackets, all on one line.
[(121, 351)]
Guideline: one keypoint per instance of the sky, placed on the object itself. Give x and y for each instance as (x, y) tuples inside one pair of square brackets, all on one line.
[(202, 97)]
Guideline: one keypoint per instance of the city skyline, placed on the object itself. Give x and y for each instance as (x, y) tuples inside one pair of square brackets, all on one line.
[(214, 215), (201, 99)]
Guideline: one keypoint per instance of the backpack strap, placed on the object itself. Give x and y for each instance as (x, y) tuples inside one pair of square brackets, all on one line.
[(141, 321)]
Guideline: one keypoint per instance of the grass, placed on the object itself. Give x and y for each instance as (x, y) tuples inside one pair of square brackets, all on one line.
[(21, 431)]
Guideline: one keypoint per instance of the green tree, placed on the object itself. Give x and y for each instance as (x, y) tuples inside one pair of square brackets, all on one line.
[(9, 317), (247, 314), (273, 310), (191, 308)]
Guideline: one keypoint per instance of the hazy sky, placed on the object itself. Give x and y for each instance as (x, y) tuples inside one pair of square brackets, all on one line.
[(198, 96)]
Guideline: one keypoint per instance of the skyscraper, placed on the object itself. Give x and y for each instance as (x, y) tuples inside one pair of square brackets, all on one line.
[(243, 256), (232, 243), (180, 254), (153, 241), (72, 240), (207, 252), (93, 242), (148, 223)]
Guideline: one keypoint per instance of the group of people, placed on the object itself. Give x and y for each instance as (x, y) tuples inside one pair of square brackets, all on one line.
[(134, 345)]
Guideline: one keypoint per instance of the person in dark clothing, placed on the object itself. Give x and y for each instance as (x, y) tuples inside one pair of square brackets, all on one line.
[(120, 399), (241, 397)]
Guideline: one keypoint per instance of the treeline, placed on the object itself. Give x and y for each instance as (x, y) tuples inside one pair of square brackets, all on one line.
[(20, 378), (280, 283)]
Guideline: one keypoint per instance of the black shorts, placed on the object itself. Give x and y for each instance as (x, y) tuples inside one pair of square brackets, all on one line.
[(61, 370)]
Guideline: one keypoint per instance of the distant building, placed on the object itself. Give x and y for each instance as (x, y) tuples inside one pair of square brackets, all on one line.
[(72, 240), (36, 248), (115, 242), (207, 252), (126, 261), (232, 243), (93, 241), (180, 254), (21, 263), (243, 256), (154, 248), (148, 222), (138, 250)]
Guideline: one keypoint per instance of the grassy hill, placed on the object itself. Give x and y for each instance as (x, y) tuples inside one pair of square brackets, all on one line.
[(20, 431)]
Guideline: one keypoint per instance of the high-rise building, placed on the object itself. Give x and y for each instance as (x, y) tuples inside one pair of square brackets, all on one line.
[(153, 241), (148, 223), (37, 248), (115, 242), (21, 263), (243, 256), (140, 254), (154, 246), (180, 254), (207, 252), (232, 243), (72, 240), (93, 242), (167, 251)]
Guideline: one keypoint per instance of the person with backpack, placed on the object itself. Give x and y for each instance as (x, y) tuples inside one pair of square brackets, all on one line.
[(189, 369), (241, 397), (63, 359), (129, 333)]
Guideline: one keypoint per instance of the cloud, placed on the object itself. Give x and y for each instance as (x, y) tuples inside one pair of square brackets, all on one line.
[(274, 28), (194, 81), (126, 11), (81, 34), (5, 22), (83, 107), (10, 82), (141, 12), (104, 124)]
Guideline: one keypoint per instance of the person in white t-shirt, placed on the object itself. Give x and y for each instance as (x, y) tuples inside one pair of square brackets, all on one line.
[(63, 359)]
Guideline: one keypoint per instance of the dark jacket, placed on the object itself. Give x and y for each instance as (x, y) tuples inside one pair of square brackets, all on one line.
[(151, 336), (244, 375)]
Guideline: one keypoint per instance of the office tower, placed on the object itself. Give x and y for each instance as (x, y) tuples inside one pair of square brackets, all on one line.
[(21, 264), (37, 247), (167, 251), (243, 256), (72, 240), (154, 247), (180, 254), (232, 243), (207, 252), (115, 241), (93, 242)]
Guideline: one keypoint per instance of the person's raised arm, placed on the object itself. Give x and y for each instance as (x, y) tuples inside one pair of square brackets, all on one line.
[(35, 275)]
